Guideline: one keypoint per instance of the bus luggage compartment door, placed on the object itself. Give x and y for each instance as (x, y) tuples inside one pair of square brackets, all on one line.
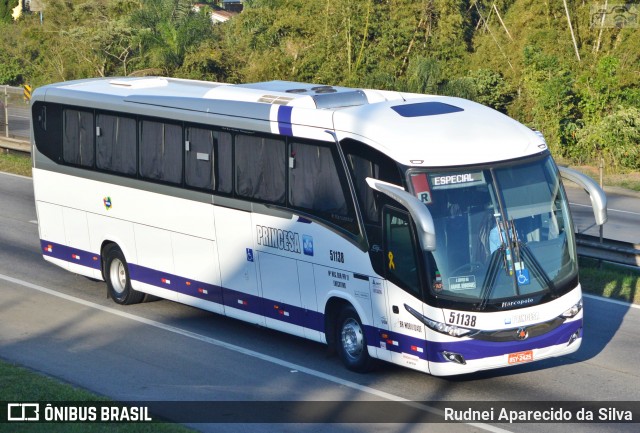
[(237, 265)]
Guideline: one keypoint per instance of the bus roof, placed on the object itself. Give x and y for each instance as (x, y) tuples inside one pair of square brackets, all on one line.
[(413, 129)]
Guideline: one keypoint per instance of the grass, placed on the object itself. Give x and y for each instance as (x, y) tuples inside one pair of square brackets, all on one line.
[(18, 384), (623, 179), (610, 280), (15, 162)]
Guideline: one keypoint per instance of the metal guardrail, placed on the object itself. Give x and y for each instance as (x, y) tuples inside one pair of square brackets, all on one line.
[(624, 253), (14, 113)]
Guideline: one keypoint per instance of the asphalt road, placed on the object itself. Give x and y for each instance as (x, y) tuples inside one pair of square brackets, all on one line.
[(19, 118), (63, 325), (623, 209)]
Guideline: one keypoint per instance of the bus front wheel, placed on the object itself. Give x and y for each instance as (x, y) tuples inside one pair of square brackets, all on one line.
[(116, 274), (351, 341)]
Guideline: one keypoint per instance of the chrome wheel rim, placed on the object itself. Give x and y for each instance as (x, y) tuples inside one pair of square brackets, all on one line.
[(352, 338), (118, 276)]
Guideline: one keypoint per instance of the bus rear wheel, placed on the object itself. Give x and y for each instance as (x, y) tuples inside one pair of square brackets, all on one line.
[(116, 273), (351, 341)]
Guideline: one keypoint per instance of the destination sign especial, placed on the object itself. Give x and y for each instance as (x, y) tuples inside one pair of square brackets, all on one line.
[(454, 179)]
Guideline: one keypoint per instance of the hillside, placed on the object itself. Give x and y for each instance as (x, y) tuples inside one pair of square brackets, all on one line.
[(559, 66)]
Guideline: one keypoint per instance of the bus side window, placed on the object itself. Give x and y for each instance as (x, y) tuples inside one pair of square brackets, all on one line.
[(362, 169), (208, 159), (116, 144), (366, 162), (314, 183), (47, 129), (199, 158), (77, 138), (224, 163), (260, 168), (400, 252), (161, 151)]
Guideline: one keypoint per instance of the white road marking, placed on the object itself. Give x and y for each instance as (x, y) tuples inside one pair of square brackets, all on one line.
[(611, 301), (608, 209), (244, 351), (15, 175)]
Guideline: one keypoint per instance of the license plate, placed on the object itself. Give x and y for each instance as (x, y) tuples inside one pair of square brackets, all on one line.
[(518, 357)]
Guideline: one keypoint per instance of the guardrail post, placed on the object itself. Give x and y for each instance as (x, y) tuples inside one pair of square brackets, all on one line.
[(601, 227), (6, 112)]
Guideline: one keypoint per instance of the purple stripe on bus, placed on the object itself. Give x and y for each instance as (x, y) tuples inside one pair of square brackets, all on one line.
[(284, 120), (394, 342), (71, 255)]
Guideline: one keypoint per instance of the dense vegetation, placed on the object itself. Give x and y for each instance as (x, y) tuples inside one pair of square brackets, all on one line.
[(6, 7), (578, 84)]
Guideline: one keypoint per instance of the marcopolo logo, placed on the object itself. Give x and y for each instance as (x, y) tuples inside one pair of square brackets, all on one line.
[(284, 240)]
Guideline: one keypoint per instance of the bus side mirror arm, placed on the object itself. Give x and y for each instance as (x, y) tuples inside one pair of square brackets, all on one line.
[(596, 194), (417, 209)]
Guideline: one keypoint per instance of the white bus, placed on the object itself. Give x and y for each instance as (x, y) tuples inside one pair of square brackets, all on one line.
[(426, 231)]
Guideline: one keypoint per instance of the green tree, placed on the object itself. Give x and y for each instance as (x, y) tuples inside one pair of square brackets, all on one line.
[(600, 90), (616, 136), (516, 56), (491, 89), (549, 97), (10, 71), (167, 31)]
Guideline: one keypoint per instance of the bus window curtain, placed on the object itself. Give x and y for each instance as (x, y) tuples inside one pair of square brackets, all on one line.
[(161, 151), (314, 183), (260, 168), (77, 141), (116, 144), (199, 158)]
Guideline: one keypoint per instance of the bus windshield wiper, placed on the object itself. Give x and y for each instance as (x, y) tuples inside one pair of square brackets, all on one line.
[(522, 253), (533, 263), (490, 279), (500, 254)]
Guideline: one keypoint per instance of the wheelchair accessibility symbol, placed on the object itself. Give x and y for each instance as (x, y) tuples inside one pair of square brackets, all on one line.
[(523, 277)]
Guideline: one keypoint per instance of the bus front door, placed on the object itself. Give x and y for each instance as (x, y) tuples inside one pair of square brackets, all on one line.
[(407, 334)]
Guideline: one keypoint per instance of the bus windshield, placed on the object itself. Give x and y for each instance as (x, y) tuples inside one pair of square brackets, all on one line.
[(503, 232)]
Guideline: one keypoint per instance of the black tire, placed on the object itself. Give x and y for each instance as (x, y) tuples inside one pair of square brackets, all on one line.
[(116, 274), (351, 342)]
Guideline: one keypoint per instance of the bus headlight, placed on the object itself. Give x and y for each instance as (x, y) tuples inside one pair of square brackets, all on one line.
[(454, 331), (443, 328), (573, 311)]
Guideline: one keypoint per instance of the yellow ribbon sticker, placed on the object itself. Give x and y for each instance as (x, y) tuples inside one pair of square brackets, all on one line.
[(391, 264)]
